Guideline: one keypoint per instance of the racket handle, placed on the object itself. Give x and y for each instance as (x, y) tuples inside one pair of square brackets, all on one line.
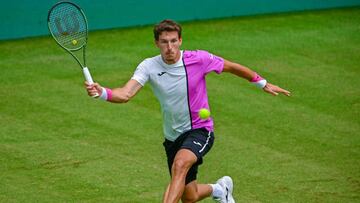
[(89, 79)]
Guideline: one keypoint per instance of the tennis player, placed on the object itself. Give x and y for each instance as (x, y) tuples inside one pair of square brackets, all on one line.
[(177, 78)]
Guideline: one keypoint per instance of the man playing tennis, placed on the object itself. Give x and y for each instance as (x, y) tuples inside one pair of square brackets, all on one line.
[(177, 78)]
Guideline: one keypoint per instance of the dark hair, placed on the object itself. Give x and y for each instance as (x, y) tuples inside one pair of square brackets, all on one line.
[(166, 25)]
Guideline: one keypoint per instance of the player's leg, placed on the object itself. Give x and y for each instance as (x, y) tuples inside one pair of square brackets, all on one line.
[(195, 192), (193, 146), (183, 161), (166, 193)]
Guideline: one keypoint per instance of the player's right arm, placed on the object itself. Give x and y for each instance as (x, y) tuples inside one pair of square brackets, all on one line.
[(118, 95)]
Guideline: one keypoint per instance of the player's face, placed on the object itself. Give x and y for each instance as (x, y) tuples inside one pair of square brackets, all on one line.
[(169, 44)]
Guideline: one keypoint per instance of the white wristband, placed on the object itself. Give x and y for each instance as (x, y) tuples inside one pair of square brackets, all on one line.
[(260, 84), (103, 95)]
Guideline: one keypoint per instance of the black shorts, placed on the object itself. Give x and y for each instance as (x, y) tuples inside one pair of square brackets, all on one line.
[(199, 141)]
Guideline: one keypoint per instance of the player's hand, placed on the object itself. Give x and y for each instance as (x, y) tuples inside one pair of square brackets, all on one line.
[(93, 89), (275, 90)]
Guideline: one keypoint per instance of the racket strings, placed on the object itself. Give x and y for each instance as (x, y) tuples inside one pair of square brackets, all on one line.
[(68, 26)]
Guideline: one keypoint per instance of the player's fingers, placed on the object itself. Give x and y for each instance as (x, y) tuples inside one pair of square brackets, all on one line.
[(275, 90), (283, 91), (97, 87), (92, 92), (86, 83), (274, 93), (89, 87), (92, 86), (287, 93), (270, 90)]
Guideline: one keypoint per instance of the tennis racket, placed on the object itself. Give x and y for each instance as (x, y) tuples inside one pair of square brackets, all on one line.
[(68, 26)]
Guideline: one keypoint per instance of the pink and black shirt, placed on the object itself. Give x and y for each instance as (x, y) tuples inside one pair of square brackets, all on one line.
[(180, 89)]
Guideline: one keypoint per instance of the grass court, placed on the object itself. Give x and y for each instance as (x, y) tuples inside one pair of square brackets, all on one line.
[(59, 145)]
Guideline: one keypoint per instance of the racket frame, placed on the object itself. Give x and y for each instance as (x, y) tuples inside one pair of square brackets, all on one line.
[(86, 35), (70, 51)]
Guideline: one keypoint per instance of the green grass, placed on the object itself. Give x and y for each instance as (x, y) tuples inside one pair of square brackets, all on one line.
[(59, 145)]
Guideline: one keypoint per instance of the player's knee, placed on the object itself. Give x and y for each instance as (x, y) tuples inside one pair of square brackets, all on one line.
[(180, 166)]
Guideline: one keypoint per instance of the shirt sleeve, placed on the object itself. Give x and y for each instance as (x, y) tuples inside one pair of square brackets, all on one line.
[(141, 74), (211, 62)]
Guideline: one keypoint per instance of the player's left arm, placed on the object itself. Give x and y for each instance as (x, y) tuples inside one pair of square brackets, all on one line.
[(252, 76)]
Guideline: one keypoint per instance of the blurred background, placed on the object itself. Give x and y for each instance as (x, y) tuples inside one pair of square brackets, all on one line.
[(25, 18)]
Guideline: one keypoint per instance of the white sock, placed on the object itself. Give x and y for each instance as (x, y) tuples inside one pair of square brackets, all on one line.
[(217, 190)]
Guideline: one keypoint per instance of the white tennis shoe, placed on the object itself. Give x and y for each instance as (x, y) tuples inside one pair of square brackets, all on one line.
[(227, 184)]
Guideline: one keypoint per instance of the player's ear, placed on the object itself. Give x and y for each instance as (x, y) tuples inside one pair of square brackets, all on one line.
[(180, 41), (156, 43)]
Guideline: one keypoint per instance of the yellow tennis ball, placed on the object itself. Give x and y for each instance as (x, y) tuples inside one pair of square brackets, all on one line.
[(204, 113), (74, 42)]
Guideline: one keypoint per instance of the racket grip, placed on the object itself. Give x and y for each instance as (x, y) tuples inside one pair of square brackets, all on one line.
[(89, 79)]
